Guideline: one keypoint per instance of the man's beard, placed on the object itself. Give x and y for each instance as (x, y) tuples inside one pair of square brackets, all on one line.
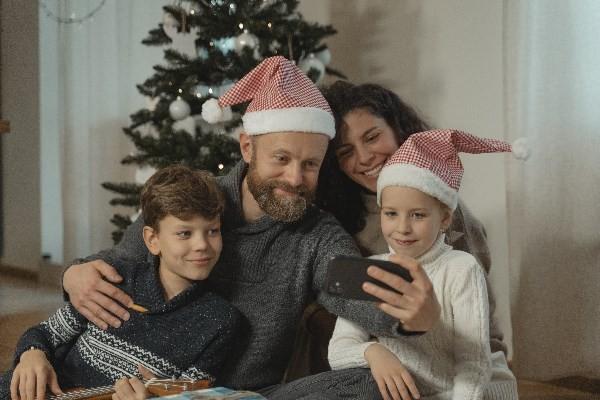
[(280, 208)]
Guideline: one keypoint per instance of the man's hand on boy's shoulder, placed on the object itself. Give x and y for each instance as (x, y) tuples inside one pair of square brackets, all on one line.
[(414, 303), (92, 292)]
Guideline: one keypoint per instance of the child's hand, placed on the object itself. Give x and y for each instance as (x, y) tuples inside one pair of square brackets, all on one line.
[(130, 389), (394, 381), (133, 388), (32, 375)]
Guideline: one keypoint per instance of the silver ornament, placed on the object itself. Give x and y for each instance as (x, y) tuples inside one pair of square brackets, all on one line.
[(179, 109), (313, 63), (324, 55)]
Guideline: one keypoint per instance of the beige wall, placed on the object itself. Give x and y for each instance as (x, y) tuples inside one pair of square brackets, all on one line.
[(445, 58), (20, 148)]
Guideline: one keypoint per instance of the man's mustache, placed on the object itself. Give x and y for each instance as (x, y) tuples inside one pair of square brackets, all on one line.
[(301, 190)]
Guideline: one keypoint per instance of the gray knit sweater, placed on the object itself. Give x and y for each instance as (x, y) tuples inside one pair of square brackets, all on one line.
[(270, 271)]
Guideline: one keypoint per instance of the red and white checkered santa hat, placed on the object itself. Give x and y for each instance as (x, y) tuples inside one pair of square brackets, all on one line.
[(428, 161), (282, 99)]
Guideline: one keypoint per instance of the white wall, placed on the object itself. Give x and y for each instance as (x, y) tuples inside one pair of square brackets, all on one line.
[(20, 148), (445, 58)]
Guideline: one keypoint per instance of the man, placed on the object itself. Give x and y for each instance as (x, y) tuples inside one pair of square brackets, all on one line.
[(276, 244)]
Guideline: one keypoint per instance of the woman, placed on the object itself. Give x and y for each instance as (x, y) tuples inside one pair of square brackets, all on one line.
[(371, 123)]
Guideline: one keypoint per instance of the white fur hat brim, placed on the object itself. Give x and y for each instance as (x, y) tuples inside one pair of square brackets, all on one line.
[(422, 179), (294, 119)]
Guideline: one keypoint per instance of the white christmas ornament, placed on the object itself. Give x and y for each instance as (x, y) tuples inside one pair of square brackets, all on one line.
[(179, 109), (142, 174), (187, 124), (312, 62), (324, 55), (246, 39)]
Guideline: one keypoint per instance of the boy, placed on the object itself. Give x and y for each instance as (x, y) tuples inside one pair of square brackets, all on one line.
[(417, 191), (181, 210)]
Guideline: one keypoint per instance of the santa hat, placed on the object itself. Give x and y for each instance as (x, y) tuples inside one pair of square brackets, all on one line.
[(428, 161), (282, 99)]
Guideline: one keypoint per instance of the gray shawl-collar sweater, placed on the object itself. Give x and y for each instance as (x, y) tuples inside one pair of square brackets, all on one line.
[(270, 271)]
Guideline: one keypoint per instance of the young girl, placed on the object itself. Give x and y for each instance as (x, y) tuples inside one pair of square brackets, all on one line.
[(417, 191)]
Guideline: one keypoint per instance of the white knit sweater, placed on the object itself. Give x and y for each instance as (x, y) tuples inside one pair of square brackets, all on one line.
[(452, 360)]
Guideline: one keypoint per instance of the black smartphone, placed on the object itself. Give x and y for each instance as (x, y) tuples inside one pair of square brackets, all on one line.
[(346, 275)]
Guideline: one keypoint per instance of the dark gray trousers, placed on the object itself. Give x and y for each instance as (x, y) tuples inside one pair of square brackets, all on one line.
[(354, 383)]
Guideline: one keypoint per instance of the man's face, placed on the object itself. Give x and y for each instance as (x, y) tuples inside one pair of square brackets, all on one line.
[(283, 171)]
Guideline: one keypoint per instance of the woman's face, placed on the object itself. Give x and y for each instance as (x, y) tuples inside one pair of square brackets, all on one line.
[(366, 142)]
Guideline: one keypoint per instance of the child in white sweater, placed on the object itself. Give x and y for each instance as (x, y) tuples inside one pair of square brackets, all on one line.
[(417, 191)]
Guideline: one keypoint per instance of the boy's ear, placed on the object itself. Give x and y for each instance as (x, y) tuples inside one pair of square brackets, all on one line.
[(246, 147), (151, 240)]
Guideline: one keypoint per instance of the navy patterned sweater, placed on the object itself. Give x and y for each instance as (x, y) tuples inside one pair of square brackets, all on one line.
[(189, 336)]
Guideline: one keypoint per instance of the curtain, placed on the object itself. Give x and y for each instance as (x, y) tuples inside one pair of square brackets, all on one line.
[(89, 72), (552, 82)]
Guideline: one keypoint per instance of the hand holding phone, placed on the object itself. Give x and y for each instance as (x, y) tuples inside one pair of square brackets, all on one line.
[(346, 275)]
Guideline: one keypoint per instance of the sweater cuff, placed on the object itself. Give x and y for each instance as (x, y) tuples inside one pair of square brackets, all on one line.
[(401, 331), (501, 390), (19, 352)]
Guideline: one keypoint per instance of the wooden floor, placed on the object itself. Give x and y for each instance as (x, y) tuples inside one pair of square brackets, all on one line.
[(24, 304)]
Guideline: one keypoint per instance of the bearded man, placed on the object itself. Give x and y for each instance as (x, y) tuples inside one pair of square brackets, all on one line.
[(276, 243)]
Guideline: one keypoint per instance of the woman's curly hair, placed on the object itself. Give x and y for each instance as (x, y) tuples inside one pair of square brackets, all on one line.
[(336, 192)]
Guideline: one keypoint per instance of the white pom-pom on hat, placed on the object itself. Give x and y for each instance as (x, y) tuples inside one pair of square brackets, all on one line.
[(521, 149), (212, 112)]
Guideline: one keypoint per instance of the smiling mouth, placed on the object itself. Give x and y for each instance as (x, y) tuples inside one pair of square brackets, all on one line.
[(284, 192), (200, 261), (373, 172), (405, 242)]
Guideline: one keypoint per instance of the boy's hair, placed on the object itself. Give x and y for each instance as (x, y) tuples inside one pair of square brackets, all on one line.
[(182, 192)]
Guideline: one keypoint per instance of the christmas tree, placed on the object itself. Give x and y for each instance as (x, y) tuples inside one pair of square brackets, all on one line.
[(210, 45)]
